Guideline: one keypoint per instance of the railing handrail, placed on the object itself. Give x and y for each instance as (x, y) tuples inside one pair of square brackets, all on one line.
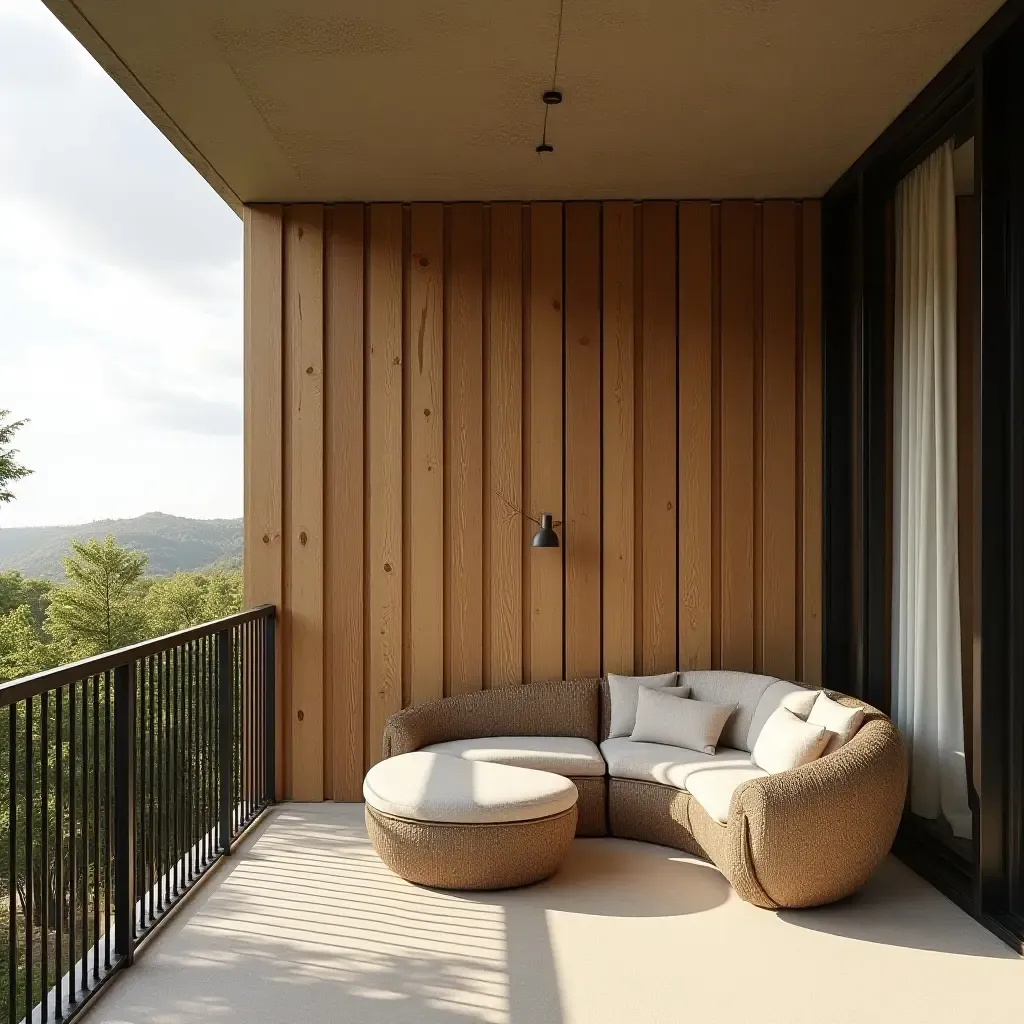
[(52, 678)]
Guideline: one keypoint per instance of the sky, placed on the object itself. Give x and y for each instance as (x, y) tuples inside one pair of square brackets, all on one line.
[(120, 297)]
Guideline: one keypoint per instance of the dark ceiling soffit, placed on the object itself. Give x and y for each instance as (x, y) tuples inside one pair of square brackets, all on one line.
[(938, 93)]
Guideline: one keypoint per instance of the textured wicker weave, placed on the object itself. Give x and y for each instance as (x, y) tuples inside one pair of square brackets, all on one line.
[(651, 813), (592, 805), (796, 839), (538, 709), (472, 856)]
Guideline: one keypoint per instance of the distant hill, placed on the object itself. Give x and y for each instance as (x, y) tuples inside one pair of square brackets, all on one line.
[(172, 543)]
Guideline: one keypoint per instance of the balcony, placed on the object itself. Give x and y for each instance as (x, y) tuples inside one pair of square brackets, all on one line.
[(303, 922)]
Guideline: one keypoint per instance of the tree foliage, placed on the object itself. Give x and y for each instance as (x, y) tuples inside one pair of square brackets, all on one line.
[(10, 468), (107, 603)]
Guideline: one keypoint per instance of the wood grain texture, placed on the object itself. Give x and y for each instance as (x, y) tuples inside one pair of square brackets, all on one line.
[(649, 373), (263, 424), (696, 325), (811, 446), (304, 496), (582, 532), (659, 613), (424, 363), (736, 531), (618, 412), (504, 474), (464, 452), (543, 451), (384, 568), (778, 440), (344, 533)]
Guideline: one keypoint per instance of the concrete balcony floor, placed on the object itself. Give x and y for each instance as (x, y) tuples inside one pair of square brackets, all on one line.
[(305, 923)]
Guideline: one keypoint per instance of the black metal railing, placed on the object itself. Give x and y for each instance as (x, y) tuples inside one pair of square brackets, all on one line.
[(127, 776)]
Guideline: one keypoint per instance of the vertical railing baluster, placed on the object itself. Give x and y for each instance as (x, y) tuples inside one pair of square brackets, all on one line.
[(190, 763), (270, 685), (12, 862), (108, 757), (226, 686), (96, 827), (84, 961), (29, 723), (58, 856), (124, 811), (44, 838), (72, 840)]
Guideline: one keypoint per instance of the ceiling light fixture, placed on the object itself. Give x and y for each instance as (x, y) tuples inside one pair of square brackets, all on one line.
[(552, 97)]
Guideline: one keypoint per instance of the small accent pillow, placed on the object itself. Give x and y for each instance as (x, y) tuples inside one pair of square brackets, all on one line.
[(841, 722), (800, 703), (787, 742), (624, 690), (662, 717)]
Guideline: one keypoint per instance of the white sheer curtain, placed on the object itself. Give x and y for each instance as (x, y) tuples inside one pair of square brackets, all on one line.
[(927, 695)]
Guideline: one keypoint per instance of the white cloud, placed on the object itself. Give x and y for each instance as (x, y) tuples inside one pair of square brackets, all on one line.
[(120, 296)]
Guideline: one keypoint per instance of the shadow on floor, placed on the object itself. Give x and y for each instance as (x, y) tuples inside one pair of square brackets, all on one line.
[(898, 908)]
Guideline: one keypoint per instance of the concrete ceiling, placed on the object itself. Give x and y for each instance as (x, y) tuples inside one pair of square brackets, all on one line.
[(327, 100)]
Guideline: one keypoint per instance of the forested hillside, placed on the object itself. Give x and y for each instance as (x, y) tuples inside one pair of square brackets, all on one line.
[(170, 543)]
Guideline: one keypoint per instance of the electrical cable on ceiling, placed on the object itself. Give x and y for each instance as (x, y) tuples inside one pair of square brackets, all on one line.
[(552, 96)]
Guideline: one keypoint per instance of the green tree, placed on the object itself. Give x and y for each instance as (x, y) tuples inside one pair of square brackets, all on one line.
[(192, 598), (100, 608), (16, 590), (22, 651), (10, 468)]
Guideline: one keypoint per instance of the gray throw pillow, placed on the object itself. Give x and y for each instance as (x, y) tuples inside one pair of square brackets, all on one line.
[(623, 691), (679, 722)]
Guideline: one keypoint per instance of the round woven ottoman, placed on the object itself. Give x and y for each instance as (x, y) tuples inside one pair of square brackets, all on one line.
[(453, 824)]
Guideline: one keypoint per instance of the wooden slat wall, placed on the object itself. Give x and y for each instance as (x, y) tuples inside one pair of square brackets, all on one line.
[(649, 373)]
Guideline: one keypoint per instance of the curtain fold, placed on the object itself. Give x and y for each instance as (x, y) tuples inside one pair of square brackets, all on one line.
[(927, 693)]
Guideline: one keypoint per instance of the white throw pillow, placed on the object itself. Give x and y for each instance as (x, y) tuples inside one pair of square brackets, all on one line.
[(624, 690), (787, 742), (841, 722), (800, 703), (662, 717)]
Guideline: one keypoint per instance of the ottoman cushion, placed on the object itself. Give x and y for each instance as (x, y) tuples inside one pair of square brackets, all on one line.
[(430, 787), (563, 755)]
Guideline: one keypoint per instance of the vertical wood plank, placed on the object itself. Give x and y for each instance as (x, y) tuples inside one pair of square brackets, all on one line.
[(695, 344), (384, 569), (778, 436), (659, 377), (582, 533), (464, 452), (618, 408), (344, 509), (263, 425), (695, 329), (811, 445), (504, 467), (304, 423), (425, 376), (543, 490), (736, 532)]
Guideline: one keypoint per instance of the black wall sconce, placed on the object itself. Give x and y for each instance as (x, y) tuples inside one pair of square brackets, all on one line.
[(545, 537)]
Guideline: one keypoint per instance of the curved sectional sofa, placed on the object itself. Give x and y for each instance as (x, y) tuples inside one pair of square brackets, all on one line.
[(797, 838)]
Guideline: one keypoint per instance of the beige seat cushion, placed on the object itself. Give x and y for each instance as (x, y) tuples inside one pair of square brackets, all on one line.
[(563, 755), (743, 689), (798, 699), (714, 787), (424, 786), (658, 762)]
